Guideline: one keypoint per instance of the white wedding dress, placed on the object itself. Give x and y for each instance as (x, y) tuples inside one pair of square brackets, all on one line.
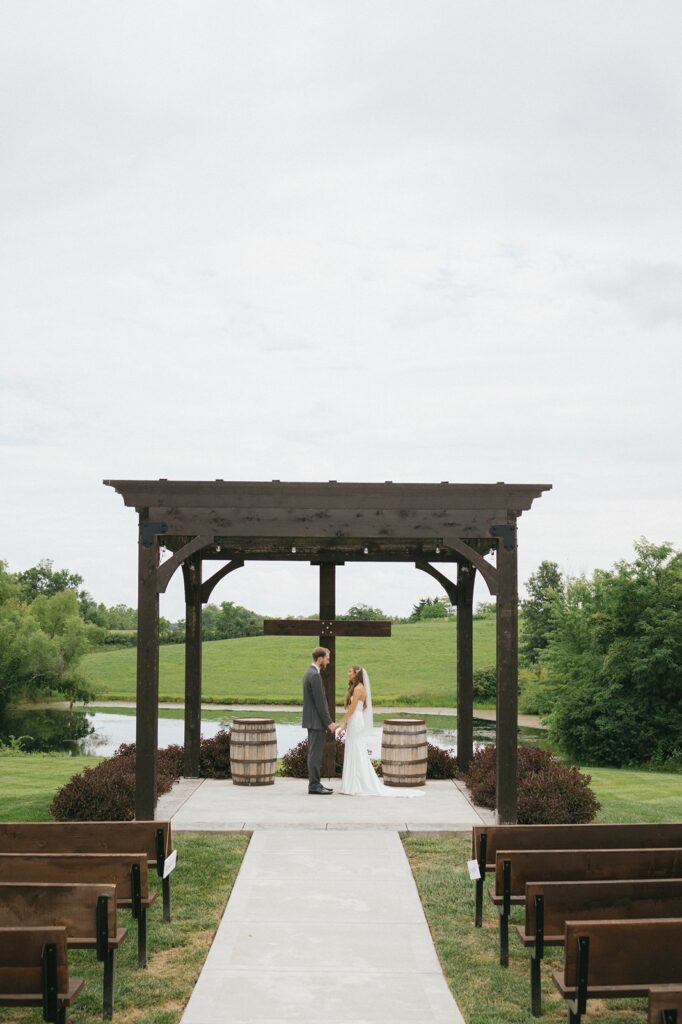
[(358, 777)]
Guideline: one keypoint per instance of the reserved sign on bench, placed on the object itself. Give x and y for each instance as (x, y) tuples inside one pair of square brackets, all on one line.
[(169, 863)]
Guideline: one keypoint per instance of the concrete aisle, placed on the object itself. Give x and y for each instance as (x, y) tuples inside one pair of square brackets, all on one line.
[(323, 926)]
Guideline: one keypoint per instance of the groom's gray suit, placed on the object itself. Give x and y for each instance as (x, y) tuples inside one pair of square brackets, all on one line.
[(316, 719)]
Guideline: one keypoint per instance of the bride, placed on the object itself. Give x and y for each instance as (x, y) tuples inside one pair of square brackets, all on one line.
[(359, 777)]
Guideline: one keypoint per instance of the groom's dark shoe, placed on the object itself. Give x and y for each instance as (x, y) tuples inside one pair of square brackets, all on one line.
[(319, 791)]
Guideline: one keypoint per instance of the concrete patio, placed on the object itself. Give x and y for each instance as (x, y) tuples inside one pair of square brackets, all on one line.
[(211, 805)]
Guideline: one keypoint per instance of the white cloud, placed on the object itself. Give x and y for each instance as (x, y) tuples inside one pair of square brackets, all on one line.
[(302, 241)]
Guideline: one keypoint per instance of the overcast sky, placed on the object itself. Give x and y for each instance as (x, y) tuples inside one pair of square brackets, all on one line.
[(352, 240)]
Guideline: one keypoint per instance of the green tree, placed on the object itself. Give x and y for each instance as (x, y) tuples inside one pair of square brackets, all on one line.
[(545, 588), (40, 643), (364, 611), (229, 621), (431, 608), (43, 579), (615, 659)]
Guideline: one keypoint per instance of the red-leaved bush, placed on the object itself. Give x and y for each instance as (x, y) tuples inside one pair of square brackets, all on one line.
[(295, 762), (549, 793), (442, 764), (107, 792)]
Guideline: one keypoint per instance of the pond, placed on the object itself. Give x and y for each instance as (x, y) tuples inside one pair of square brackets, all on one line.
[(101, 733)]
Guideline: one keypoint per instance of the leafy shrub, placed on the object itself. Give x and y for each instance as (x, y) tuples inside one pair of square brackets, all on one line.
[(103, 793), (441, 763), (548, 792), (214, 756), (485, 683), (107, 791), (295, 762), (537, 690)]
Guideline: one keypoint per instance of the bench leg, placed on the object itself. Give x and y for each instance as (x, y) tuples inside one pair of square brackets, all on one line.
[(573, 1016), (535, 986), (61, 1015), (504, 939), (108, 992), (142, 938), (166, 899)]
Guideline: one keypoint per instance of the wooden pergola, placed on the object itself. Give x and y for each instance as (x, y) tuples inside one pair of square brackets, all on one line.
[(327, 524)]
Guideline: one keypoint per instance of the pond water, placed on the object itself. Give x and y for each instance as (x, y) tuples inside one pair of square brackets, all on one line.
[(78, 732)]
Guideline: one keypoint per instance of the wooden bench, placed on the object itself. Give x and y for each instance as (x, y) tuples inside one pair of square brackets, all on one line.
[(486, 840), (34, 971), (87, 912), (617, 960), (665, 1004), (127, 871), (515, 868), (549, 905), (152, 837)]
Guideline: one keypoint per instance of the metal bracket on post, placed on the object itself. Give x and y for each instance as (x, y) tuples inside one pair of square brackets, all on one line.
[(578, 1006), (506, 533), (480, 882), (136, 890), (50, 989), (160, 851), (148, 531), (102, 927), (537, 953), (504, 913)]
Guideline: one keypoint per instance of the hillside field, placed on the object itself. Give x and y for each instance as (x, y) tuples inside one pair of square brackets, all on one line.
[(416, 665)]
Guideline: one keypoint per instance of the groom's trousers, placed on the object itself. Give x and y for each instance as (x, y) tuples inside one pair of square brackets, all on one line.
[(316, 739)]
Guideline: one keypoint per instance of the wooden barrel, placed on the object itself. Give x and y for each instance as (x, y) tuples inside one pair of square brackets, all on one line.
[(404, 752), (253, 751)]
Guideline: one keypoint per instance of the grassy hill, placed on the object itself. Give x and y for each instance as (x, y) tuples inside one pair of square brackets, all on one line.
[(414, 666)]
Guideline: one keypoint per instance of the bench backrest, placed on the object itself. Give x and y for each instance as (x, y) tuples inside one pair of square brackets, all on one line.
[(574, 837), (85, 837), (664, 997), (584, 865), (73, 907), (595, 901), (110, 868), (21, 958), (628, 953)]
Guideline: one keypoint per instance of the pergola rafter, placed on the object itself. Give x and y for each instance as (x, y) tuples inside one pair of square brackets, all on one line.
[(327, 524)]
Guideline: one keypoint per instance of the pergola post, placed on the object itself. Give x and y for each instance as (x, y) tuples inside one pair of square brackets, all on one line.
[(507, 676), (192, 574), (328, 612), (147, 722), (465, 664)]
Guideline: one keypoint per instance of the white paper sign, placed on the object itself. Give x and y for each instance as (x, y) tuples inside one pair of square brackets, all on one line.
[(170, 863), (474, 870)]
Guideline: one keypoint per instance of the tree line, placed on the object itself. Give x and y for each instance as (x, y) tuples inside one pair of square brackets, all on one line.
[(600, 656)]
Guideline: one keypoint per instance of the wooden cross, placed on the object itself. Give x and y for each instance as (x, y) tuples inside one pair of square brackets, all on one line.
[(327, 628)]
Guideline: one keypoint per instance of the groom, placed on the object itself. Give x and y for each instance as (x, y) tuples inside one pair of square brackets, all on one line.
[(316, 719)]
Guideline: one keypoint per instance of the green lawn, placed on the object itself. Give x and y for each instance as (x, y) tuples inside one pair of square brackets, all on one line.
[(630, 795), (486, 992), (416, 665), (202, 882), (30, 781)]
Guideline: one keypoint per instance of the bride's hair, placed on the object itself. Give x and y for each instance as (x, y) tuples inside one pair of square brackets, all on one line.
[(354, 681)]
